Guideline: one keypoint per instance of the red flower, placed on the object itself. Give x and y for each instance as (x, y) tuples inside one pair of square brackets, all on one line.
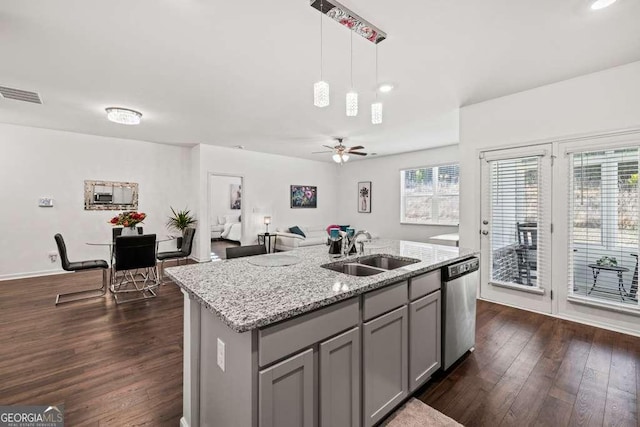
[(114, 220)]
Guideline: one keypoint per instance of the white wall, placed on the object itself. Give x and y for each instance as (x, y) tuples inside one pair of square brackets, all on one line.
[(384, 174), (583, 106), (37, 162), (265, 191), (220, 196)]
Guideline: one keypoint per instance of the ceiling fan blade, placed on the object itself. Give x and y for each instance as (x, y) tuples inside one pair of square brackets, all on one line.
[(330, 147), (358, 154), (319, 152), (357, 147)]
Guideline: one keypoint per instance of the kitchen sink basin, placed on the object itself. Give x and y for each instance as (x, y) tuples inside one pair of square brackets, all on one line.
[(353, 269), (387, 262)]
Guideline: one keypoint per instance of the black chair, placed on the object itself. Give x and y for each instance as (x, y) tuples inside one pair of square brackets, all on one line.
[(526, 252), (135, 269), (93, 264), (183, 253), (242, 251)]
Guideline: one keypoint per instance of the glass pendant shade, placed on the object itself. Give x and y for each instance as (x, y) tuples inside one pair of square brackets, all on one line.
[(340, 158), (376, 113), (345, 157), (321, 94), (336, 158), (352, 104)]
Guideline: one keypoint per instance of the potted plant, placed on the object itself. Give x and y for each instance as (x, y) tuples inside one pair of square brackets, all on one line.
[(180, 221)]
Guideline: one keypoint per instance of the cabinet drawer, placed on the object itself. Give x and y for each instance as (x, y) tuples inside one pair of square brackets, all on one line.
[(424, 284), (283, 339), (383, 300)]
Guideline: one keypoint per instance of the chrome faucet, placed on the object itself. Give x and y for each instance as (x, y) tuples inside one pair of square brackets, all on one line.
[(352, 242)]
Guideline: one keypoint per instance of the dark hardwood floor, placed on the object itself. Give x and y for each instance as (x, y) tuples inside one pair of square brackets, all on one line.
[(219, 248), (530, 369), (122, 365), (108, 365)]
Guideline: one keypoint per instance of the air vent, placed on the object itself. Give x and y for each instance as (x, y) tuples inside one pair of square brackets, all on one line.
[(20, 95)]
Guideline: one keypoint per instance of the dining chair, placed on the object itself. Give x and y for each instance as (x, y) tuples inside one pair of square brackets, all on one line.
[(94, 264), (183, 253), (135, 269), (242, 251), (526, 251), (117, 231)]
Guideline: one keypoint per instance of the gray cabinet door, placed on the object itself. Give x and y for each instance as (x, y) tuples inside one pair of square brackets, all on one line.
[(340, 380), (385, 370), (286, 395), (424, 339)]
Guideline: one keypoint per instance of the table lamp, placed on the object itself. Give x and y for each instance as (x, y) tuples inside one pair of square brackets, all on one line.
[(267, 221)]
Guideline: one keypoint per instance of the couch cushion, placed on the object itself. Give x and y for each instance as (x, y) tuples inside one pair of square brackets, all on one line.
[(297, 230), (314, 240)]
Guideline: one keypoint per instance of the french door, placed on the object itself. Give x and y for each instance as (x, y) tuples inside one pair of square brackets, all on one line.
[(515, 226)]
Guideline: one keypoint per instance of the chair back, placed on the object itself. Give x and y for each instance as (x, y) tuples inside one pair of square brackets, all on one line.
[(117, 231), (528, 234), (62, 250), (134, 252), (187, 241), (242, 251)]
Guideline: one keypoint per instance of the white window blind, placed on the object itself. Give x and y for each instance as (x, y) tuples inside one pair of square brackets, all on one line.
[(603, 225), (430, 195), (518, 248)]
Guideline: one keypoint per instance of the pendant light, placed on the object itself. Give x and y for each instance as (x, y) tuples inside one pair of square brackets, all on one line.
[(376, 107), (352, 95), (321, 88)]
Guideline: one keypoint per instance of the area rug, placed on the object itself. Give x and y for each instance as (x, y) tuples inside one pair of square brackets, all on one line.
[(414, 413)]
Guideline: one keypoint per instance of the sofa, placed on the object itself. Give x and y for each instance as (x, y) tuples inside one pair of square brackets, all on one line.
[(315, 235)]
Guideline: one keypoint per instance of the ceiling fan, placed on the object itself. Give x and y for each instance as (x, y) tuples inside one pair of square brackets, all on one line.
[(340, 152)]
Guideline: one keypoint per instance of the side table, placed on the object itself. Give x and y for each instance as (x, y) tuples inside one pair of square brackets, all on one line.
[(268, 240), (596, 269)]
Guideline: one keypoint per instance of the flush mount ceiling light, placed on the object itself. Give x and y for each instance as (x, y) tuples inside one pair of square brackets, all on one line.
[(123, 116), (601, 4), (346, 17), (385, 87)]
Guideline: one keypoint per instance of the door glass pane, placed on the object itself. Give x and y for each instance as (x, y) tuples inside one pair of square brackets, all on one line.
[(515, 210), (604, 225)]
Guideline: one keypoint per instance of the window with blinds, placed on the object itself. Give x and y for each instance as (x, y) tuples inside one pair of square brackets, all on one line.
[(603, 225), (516, 212), (430, 195)]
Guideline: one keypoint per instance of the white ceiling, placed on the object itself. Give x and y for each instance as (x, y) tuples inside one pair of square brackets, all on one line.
[(241, 72)]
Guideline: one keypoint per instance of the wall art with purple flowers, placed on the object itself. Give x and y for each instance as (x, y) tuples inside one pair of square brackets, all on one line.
[(304, 196)]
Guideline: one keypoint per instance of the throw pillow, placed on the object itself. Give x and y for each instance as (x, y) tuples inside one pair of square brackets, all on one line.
[(221, 220), (330, 227), (296, 230)]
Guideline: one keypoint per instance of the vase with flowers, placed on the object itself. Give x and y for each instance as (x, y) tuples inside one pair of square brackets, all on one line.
[(128, 221)]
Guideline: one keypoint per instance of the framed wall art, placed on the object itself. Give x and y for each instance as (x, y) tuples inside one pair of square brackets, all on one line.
[(364, 197), (304, 196)]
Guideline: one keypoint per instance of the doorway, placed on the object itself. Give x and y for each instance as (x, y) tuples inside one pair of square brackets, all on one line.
[(225, 210), (516, 227)]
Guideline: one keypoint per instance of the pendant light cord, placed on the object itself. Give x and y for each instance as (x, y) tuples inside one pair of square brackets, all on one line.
[(351, 31), (321, 12), (376, 72)]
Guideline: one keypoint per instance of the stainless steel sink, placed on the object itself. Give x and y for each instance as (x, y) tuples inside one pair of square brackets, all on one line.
[(353, 269), (387, 262)]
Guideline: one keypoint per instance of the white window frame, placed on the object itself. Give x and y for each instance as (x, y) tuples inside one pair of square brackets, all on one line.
[(434, 204)]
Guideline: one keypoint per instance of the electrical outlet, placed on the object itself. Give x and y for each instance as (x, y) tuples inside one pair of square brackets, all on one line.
[(221, 351), (53, 256)]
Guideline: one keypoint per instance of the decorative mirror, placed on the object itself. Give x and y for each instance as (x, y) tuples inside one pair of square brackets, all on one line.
[(110, 196)]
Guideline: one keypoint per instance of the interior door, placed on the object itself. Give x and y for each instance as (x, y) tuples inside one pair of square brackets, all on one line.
[(515, 227)]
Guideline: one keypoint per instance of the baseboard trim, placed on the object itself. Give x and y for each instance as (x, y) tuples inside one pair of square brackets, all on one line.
[(15, 276), (580, 320), (183, 422)]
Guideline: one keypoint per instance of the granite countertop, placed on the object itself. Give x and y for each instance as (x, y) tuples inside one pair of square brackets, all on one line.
[(246, 296)]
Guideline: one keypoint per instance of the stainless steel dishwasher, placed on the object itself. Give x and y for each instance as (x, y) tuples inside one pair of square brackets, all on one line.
[(459, 290)]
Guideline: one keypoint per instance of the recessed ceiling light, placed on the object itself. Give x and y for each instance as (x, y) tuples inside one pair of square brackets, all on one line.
[(385, 87), (601, 4), (124, 116)]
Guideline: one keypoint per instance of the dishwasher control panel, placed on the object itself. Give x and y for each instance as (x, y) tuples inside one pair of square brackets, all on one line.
[(461, 268)]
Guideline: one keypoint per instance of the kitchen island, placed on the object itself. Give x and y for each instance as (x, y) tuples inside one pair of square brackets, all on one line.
[(305, 345)]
